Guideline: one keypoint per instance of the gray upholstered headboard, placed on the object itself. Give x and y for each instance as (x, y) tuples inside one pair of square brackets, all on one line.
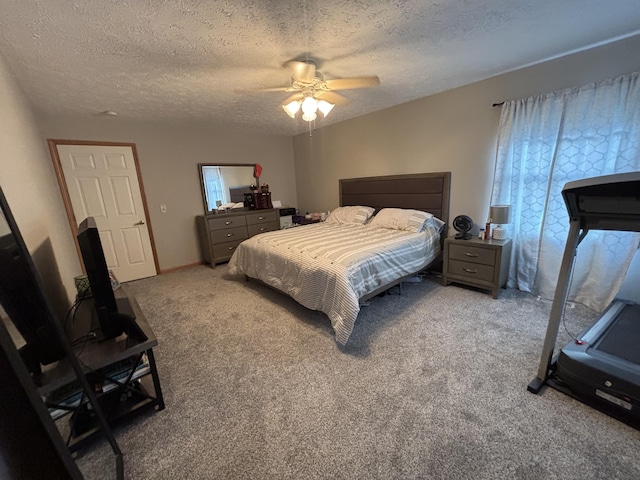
[(236, 194), (428, 192)]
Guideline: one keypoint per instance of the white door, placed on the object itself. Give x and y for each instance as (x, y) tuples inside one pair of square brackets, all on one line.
[(102, 182)]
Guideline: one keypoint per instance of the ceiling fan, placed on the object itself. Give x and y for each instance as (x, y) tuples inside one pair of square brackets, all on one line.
[(311, 92)]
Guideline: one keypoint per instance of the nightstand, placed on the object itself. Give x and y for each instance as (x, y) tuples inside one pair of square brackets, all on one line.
[(478, 263)]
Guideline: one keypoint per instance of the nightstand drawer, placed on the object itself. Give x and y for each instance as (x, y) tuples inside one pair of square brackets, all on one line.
[(470, 270), (228, 235), (469, 253), (226, 222)]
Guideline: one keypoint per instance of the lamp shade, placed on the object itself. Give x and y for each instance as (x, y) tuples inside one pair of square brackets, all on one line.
[(292, 108), (325, 107), (500, 214)]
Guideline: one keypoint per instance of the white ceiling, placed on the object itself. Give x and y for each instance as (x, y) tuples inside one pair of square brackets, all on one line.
[(182, 59)]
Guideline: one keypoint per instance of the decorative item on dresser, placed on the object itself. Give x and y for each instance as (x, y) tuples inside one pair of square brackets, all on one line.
[(478, 263), (221, 233)]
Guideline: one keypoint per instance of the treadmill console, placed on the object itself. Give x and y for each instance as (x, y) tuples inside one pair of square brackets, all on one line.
[(610, 202)]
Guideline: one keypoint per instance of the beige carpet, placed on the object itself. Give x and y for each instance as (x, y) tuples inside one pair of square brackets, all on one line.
[(431, 385)]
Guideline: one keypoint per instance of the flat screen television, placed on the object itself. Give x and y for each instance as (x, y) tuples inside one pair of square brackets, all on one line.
[(115, 316), (23, 298)]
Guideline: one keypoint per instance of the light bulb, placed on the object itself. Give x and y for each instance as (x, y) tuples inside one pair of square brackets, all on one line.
[(309, 106)]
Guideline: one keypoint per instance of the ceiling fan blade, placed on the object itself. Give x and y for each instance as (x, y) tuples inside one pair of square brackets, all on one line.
[(352, 82), (303, 71), (332, 97), (262, 90), (293, 98)]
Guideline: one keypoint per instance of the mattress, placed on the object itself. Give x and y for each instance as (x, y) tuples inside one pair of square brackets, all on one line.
[(329, 266)]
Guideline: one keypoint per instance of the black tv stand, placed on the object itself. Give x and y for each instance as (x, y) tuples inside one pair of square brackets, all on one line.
[(119, 368)]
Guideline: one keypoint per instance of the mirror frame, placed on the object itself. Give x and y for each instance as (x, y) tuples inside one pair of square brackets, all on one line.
[(203, 189)]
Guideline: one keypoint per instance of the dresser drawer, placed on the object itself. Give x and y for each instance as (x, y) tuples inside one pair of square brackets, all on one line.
[(264, 217), (263, 227), (470, 270), (228, 235), (469, 253), (223, 251), (221, 233), (226, 222)]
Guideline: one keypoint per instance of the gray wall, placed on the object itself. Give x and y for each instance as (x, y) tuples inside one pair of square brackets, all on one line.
[(29, 183), (168, 155), (453, 131)]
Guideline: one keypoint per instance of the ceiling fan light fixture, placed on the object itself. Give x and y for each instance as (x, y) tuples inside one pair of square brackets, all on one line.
[(310, 91), (292, 108), (325, 107)]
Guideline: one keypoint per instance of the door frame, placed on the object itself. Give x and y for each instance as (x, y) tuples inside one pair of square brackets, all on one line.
[(66, 199)]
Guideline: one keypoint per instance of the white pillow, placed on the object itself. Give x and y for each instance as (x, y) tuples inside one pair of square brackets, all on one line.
[(355, 214), (402, 219)]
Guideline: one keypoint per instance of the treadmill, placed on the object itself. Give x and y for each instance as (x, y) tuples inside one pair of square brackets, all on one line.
[(602, 367)]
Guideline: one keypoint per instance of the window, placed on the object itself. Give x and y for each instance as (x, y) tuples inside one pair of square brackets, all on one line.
[(547, 141), (214, 187)]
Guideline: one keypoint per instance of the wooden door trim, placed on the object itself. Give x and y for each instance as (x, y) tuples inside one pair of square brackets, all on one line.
[(66, 199)]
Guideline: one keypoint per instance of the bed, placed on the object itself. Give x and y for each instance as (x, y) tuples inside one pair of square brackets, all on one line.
[(386, 229)]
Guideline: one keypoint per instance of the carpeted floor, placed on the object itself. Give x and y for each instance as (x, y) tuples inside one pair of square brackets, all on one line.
[(431, 385)]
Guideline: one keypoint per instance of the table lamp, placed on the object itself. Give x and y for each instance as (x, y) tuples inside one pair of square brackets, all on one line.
[(500, 216)]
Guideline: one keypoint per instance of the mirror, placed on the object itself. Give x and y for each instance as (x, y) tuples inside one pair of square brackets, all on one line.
[(225, 183), (24, 297)]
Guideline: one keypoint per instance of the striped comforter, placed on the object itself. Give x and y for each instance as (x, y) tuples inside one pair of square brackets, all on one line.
[(330, 266)]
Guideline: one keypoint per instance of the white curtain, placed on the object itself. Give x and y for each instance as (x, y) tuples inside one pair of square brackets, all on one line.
[(215, 187), (546, 141)]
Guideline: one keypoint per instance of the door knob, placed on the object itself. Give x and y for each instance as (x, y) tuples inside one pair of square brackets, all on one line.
[(141, 222)]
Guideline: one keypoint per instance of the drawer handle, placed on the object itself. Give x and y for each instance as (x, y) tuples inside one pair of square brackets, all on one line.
[(227, 222), (230, 234), (470, 270), (262, 229), (231, 248), (468, 254), (260, 218)]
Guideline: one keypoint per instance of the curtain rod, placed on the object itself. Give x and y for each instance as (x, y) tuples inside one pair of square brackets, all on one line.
[(498, 104)]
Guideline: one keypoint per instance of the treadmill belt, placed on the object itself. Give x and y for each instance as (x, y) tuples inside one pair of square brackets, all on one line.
[(622, 339)]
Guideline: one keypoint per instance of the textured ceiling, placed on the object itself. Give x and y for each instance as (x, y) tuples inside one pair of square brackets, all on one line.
[(182, 60)]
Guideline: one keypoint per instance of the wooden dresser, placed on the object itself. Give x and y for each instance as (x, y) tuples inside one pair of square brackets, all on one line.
[(221, 233)]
